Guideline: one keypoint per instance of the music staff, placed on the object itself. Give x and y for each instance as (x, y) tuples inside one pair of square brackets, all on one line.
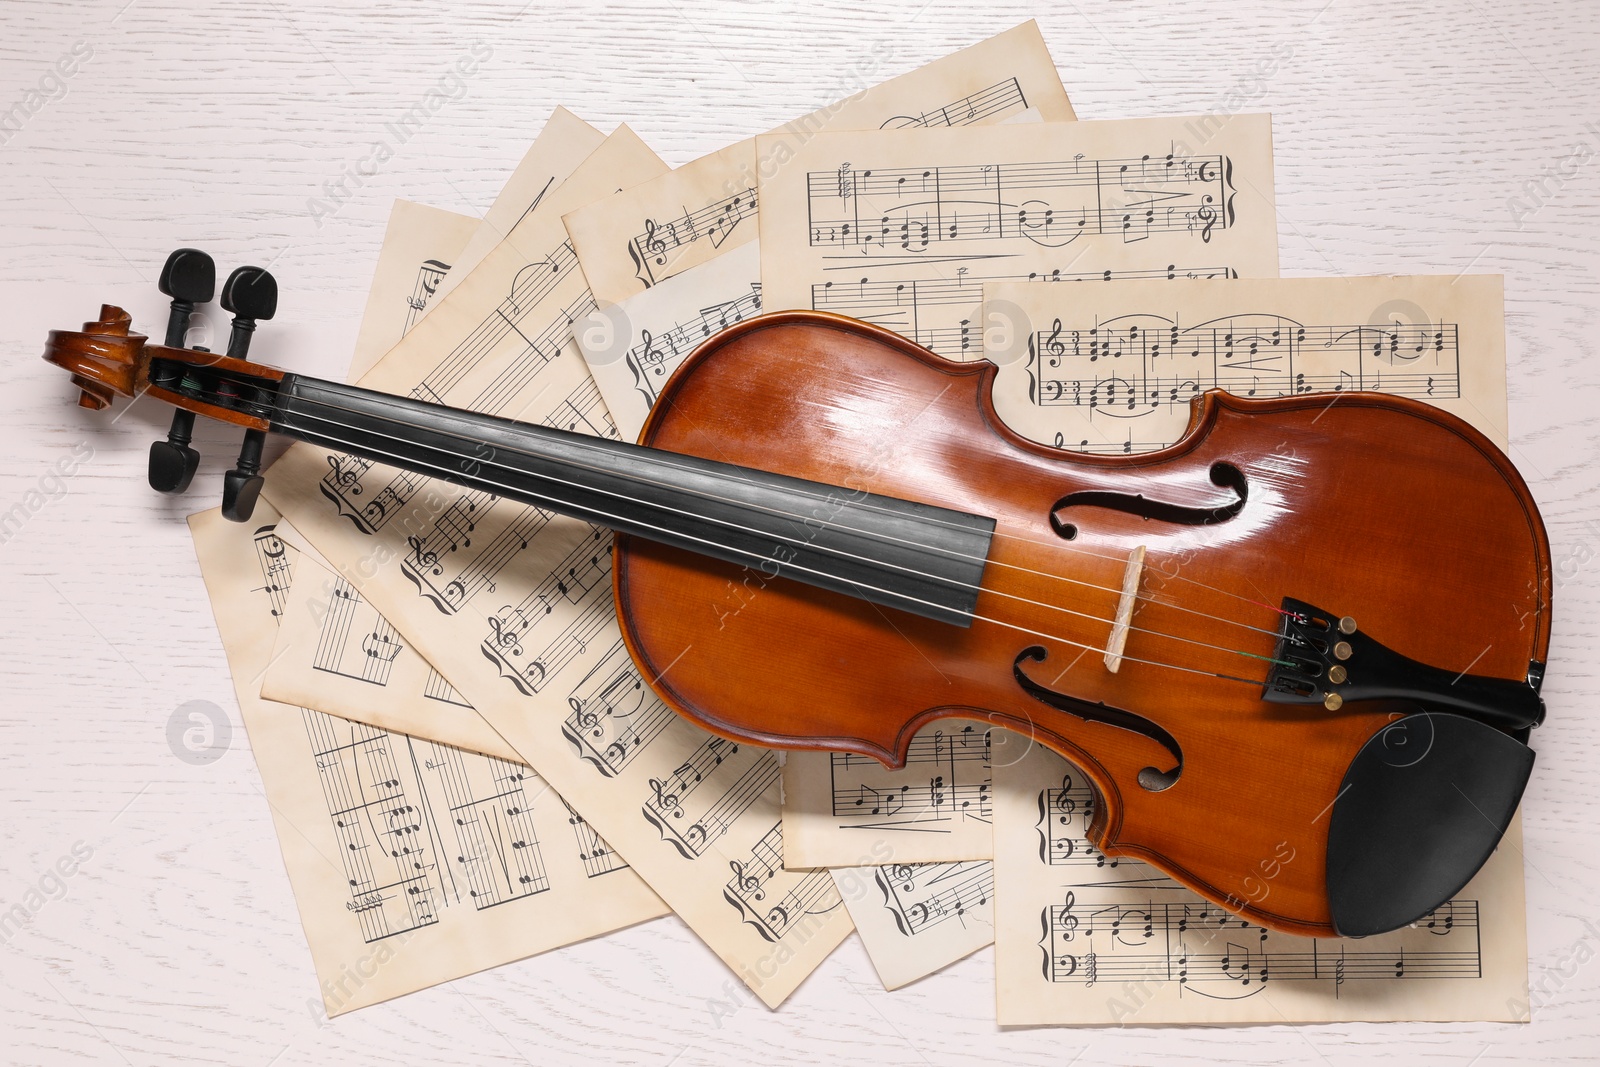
[(923, 895), (1065, 813), (1002, 98), (1089, 939), (943, 314), (1129, 366), (598, 857), (945, 781), (582, 579), (650, 250), (614, 715), (497, 850), (754, 889), (386, 845), (436, 688), (696, 802), (273, 559), (429, 274), (656, 356), (904, 211), (355, 641)]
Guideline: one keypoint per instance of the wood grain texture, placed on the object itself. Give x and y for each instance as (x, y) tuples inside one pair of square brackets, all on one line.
[(1401, 137)]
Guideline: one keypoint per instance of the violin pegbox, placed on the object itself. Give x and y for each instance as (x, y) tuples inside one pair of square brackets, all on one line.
[(106, 358)]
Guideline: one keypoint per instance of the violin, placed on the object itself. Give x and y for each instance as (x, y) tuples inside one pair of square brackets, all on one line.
[(1310, 635)]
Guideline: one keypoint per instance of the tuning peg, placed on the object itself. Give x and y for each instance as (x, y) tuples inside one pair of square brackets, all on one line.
[(173, 462), (189, 277), (249, 294), (242, 485)]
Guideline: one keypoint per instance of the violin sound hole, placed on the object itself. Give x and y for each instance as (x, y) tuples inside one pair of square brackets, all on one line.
[(1225, 475), (1150, 778)]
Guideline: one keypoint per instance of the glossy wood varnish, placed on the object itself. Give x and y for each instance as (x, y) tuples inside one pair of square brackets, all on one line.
[(1376, 507)]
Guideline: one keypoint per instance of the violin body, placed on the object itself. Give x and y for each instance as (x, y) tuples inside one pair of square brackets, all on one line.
[(1376, 509)]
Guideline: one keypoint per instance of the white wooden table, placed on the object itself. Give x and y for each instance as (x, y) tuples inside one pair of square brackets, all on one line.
[(1402, 138)]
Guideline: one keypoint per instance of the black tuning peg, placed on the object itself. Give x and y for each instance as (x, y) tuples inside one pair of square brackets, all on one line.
[(242, 485), (249, 294), (189, 277), (173, 462)]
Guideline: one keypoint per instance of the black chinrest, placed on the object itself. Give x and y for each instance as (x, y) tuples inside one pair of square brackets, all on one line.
[(1422, 806)]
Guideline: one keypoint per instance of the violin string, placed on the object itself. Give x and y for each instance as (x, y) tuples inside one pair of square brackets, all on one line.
[(999, 592), (1025, 539), (665, 459), (973, 615)]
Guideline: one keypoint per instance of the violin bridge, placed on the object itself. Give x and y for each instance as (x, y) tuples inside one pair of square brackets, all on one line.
[(1124, 617)]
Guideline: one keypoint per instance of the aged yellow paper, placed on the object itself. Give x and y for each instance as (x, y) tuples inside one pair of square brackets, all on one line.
[(420, 245), (917, 918), (336, 654), (513, 606), (648, 234), (411, 862), (1112, 368), (904, 228)]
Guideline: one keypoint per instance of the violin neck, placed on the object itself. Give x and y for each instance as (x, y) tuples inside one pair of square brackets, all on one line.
[(916, 557)]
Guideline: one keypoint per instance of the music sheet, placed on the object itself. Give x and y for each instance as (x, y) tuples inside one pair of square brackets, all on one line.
[(632, 347), (1087, 939), (412, 863), (513, 606), (419, 246), (648, 234), (936, 808), (903, 228), (1112, 368), (918, 918), (337, 654), (562, 145)]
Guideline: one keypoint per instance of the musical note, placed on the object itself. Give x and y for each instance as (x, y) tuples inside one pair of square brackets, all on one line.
[(1260, 355)]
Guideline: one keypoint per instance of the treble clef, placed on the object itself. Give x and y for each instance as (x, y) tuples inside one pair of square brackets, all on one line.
[(1053, 343), (1067, 923), (1207, 215), (750, 883), (1064, 803), (656, 246), (665, 801), (503, 637), (342, 475), (424, 557), (648, 356)]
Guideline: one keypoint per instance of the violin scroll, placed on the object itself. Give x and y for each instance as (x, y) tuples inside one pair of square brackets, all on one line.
[(106, 358)]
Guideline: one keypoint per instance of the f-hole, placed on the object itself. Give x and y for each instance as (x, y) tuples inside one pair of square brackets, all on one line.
[(1150, 778), (1225, 475)]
